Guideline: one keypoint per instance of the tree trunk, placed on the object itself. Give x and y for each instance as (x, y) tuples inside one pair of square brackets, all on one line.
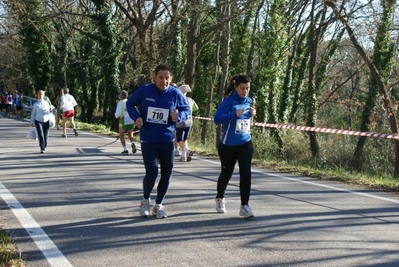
[(225, 60), (192, 39), (211, 90), (311, 94)]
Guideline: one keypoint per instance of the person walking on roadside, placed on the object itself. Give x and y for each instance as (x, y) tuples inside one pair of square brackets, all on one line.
[(235, 113), (39, 118), (68, 104), (183, 128), (126, 124), (8, 104), (2, 100), (161, 106), (18, 105)]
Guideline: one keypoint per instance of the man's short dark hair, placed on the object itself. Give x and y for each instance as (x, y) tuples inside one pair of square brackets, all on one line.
[(162, 67)]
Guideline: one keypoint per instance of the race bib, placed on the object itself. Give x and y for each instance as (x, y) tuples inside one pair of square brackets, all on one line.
[(157, 115), (243, 126)]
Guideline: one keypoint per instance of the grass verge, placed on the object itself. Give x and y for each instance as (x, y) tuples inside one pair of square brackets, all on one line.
[(9, 257)]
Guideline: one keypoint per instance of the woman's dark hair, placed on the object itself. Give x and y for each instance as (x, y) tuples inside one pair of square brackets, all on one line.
[(162, 67), (235, 81)]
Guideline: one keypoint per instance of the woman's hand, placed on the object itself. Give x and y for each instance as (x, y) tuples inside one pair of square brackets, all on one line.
[(239, 112)]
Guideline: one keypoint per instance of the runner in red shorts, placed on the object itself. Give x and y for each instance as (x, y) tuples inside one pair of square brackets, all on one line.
[(68, 104)]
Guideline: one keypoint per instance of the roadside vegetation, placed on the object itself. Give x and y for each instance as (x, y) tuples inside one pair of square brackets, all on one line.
[(9, 256), (334, 163)]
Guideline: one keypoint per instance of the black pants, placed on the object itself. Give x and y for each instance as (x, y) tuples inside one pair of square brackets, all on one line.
[(228, 156), (151, 153), (42, 133)]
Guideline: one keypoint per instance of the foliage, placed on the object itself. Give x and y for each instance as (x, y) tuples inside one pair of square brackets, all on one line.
[(35, 35), (9, 257)]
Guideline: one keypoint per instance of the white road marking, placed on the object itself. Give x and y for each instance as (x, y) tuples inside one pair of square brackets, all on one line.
[(50, 251)]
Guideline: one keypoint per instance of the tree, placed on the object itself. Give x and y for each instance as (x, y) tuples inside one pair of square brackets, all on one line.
[(384, 60), (35, 34), (110, 43), (378, 79), (142, 15)]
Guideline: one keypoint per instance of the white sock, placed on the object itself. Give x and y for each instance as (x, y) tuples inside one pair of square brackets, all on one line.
[(124, 148)]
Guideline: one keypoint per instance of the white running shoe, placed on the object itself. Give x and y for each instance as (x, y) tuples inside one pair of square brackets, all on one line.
[(246, 212), (158, 211), (220, 205), (145, 207), (177, 152)]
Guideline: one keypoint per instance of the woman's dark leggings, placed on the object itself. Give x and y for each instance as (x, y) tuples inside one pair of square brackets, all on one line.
[(228, 156)]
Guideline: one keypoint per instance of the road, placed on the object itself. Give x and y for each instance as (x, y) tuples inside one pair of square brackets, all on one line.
[(77, 205)]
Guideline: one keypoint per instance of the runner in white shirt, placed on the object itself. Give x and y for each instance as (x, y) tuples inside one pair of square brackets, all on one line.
[(126, 124), (68, 104), (8, 104)]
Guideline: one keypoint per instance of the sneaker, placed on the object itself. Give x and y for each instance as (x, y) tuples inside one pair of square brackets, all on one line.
[(125, 152), (177, 152), (42, 151), (220, 205), (76, 132), (189, 155), (145, 207), (134, 150), (158, 211), (246, 212), (183, 159), (58, 127), (64, 136)]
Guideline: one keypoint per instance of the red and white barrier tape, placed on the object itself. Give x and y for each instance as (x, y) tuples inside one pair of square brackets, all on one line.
[(317, 129)]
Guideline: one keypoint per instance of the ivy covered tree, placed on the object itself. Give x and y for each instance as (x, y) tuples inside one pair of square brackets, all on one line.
[(384, 59), (110, 43), (35, 30), (272, 54)]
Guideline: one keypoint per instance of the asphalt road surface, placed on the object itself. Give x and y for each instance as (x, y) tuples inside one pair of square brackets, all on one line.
[(77, 205)]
